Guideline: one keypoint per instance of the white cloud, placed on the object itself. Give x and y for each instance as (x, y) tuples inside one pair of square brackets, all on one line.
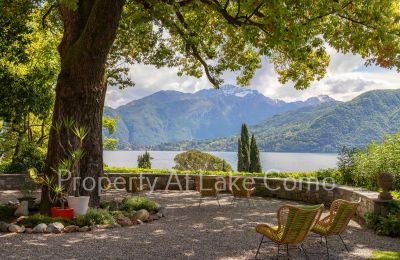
[(346, 78)]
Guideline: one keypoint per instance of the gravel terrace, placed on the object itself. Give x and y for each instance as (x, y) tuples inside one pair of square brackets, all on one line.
[(188, 232)]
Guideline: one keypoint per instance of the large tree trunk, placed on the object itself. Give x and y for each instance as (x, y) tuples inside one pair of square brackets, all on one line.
[(81, 87)]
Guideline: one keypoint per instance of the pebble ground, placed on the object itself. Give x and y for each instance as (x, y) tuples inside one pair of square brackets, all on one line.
[(189, 232)]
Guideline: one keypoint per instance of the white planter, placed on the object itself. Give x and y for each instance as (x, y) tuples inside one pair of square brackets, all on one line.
[(79, 204)]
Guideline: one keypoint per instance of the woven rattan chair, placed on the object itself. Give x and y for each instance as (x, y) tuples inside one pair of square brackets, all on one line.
[(336, 222), (294, 223), (242, 189), (207, 186)]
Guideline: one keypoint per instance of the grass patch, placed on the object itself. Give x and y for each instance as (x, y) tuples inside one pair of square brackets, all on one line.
[(384, 255), (36, 219), (137, 203)]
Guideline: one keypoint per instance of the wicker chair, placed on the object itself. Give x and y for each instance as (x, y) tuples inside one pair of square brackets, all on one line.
[(294, 224), (207, 186), (336, 222), (132, 185), (242, 189)]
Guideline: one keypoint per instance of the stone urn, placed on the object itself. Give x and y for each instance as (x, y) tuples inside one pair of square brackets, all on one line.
[(385, 182)]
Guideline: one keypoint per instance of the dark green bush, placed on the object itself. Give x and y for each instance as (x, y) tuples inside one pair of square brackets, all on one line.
[(95, 217), (137, 203), (30, 157), (6, 211), (388, 225), (36, 219)]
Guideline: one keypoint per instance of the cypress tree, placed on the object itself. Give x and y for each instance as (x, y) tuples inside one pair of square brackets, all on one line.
[(240, 156), (255, 164), (245, 141)]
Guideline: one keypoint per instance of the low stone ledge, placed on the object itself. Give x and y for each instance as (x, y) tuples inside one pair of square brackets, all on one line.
[(14, 181), (296, 190)]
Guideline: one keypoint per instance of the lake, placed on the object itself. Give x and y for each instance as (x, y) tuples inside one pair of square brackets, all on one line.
[(298, 162)]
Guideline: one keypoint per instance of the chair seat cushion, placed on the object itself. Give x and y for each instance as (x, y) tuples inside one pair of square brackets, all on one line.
[(270, 232), (320, 229)]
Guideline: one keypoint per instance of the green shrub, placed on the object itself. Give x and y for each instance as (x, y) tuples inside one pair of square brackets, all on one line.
[(36, 219), (144, 160), (6, 211), (137, 203), (119, 214), (30, 156), (388, 225), (95, 217), (378, 158)]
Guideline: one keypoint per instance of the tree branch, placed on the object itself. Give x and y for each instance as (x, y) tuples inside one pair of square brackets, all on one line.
[(47, 14)]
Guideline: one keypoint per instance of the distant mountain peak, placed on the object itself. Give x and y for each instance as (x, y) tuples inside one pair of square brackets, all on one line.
[(238, 91), (229, 90)]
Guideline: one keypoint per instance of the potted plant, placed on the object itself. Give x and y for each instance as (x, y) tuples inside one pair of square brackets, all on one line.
[(385, 182), (56, 196), (73, 151)]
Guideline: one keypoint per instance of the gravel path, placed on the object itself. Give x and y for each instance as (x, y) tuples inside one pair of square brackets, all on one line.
[(189, 232)]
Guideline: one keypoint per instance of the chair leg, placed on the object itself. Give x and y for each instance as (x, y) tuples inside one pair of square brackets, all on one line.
[(287, 249), (219, 205), (277, 256), (259, 246), (304, 251), (248, 201), (327, 247), (200, 201), (254, 204), (348, 251)]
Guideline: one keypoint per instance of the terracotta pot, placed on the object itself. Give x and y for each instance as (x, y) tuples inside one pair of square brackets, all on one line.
[(67, 213), (385, 182)]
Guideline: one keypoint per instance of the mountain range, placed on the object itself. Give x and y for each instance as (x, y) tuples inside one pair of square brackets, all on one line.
[(324, 127), (172, 116)]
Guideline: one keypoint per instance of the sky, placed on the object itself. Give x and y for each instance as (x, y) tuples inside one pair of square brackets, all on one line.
[(346, 78)]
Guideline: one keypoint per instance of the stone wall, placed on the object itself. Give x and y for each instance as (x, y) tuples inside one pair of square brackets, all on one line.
[(13, 181), (309, 192)]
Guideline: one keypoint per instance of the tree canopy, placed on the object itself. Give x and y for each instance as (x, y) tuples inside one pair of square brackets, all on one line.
[(200, 161), (213, 36)]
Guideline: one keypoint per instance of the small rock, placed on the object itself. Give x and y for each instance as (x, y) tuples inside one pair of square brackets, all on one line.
[(93, 228), (84, 229), (140, 215), (71, 228), (116, 225), (114, 205), (162, 211), (124, 221), (55, 227), (105, 226), (4, 226), (139, 222), (22, 209), (28, 230), (159, 215), (20, 219), (40, 228), (16, 229)]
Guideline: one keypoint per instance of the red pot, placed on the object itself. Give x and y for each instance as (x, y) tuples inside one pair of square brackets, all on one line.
[(67, 213)]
